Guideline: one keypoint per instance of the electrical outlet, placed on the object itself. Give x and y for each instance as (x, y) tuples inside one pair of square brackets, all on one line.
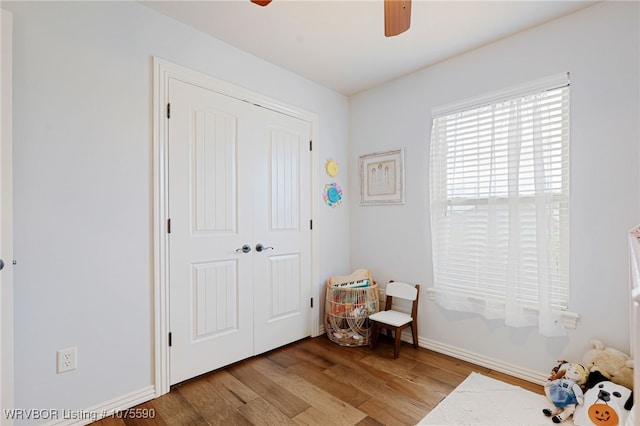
[(67, 359), (382, 296)]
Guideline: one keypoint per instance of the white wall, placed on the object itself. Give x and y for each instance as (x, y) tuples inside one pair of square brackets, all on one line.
[(83, 181), (83, 186), (599, 46)]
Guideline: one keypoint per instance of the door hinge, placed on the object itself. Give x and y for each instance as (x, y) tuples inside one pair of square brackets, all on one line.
[(311, 224), (310, 145), (168, 110), (170, 339), (168, 226), (312, 302)]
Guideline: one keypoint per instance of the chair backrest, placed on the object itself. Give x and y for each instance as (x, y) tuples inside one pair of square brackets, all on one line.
[(402, 291)]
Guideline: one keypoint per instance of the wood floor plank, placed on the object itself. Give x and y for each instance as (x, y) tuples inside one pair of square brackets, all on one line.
[(230, 389), (276, 394), (316, 382), (112, 421), (173, 410), (334, 386), (259, 412), (446, 380), (283, 357), (146, 414), (211, 402), (339, 354), (418, 392), (398, 376), (435, 389), (357, 378), (381, 391), (396, 367), (316, 417), (320, 358), (369, 421), (390, 414), (336, 410)]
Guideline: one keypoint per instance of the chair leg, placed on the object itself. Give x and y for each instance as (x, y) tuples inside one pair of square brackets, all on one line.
[(414, 333), (396, 348), (374, 335)]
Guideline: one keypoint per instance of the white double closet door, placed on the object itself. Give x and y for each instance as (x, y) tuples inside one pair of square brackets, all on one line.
[(239, 176)]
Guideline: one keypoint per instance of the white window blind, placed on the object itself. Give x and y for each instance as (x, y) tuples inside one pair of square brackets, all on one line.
[(499, 188)]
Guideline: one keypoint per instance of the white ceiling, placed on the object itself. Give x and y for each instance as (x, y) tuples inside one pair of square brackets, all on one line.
[(341, 44)]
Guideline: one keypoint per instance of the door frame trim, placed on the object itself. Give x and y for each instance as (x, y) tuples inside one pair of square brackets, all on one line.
[(162, 71), (6, 214)]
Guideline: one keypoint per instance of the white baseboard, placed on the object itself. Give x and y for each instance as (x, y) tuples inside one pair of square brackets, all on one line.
[(474, 358), (481, 360), (105, 409)]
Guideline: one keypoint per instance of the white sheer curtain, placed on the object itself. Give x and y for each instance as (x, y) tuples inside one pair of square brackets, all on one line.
[(499, 205)]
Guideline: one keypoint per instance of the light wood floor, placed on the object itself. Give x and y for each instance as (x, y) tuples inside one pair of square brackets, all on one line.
[(315, 382)]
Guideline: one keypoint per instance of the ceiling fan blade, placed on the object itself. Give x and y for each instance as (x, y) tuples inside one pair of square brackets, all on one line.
[(397, 17), (261, 2)]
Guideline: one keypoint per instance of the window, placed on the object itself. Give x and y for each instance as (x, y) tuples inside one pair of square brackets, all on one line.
[(499, 187)]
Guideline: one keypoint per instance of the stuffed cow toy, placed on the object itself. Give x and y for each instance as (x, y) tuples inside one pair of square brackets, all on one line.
[(605, 403), (564, 390)]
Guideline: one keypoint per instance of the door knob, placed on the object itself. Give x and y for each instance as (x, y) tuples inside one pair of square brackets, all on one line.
[(260, 247), (1, 264), (245, 248)]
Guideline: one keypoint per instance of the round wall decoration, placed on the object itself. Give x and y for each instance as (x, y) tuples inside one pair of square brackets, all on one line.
[(331, 167), (332, 194)]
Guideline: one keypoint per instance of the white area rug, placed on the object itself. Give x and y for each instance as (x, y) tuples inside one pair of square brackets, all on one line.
[(483, 401)]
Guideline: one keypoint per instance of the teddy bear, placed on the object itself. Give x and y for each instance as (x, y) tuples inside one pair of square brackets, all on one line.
[(564, 390), (612, 363)]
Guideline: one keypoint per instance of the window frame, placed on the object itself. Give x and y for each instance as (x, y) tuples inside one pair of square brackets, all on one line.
[(559, 198)]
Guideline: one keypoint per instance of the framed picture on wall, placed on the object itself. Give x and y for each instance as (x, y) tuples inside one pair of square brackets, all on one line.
[(382, 178)]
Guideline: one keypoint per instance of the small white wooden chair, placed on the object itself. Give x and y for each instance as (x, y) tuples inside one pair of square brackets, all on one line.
[(395, 320)]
